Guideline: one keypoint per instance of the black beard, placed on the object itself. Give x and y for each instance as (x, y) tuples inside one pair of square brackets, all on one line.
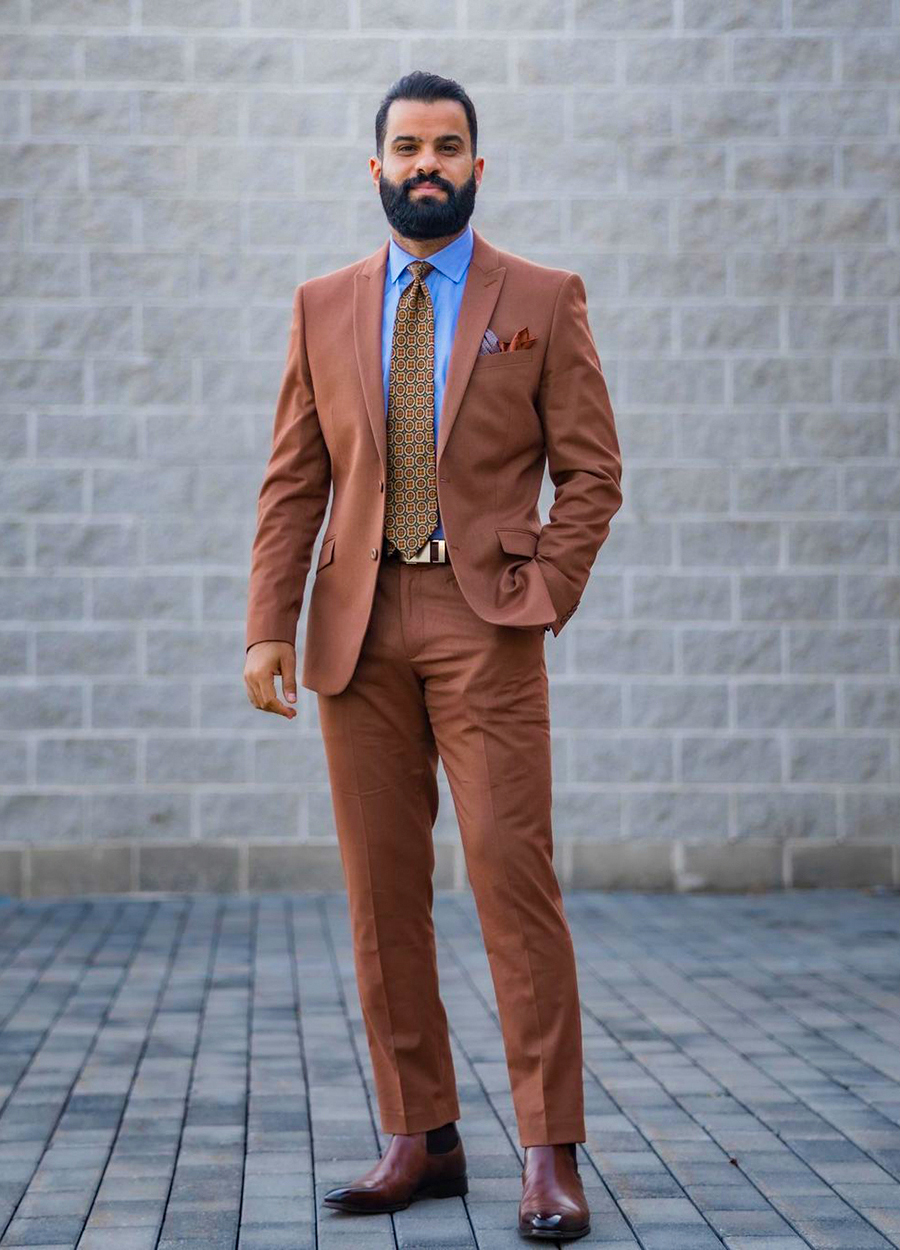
[(427, 216)]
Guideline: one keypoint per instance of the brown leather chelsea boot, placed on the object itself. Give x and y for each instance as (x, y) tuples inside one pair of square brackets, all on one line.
[(408, 1170), (553, 1205)]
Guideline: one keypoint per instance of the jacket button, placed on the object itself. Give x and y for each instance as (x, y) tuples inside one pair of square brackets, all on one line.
[(374, 553)]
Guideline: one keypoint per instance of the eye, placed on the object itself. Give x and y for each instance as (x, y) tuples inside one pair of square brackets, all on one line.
[(448, 147)]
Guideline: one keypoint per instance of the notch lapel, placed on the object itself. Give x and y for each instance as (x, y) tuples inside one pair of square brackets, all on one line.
[(483, 283)]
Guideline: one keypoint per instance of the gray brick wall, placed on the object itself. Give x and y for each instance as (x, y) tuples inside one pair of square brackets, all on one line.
[(725, 176)]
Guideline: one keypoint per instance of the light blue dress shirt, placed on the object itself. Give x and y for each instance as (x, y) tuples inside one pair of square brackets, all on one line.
[(446, 284)]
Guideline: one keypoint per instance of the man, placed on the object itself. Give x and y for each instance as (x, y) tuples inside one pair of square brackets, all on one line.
[(429, 384)]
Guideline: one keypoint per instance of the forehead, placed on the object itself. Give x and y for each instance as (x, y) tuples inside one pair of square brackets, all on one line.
[(426, 119)]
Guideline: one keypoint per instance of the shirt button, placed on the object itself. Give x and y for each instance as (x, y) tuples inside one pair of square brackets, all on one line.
[(374, 553)]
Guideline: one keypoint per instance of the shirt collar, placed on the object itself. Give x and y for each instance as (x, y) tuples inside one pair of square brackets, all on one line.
[(452, 260)]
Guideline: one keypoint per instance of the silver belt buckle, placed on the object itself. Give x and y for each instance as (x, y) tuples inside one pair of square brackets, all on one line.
[(433, 551)]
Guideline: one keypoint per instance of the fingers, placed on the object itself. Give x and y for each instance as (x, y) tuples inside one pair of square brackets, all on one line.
[(289, 677), (261, 693)]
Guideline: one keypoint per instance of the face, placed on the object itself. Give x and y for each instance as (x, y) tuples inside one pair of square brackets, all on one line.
[(427, 142)]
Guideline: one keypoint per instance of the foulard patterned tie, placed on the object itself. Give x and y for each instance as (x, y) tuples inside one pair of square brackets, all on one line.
[(411, 504)]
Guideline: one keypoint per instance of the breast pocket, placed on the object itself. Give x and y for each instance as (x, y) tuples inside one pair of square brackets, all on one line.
[(488, 362)]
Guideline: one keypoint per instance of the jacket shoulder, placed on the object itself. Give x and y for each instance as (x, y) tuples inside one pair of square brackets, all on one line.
[(548, 278)]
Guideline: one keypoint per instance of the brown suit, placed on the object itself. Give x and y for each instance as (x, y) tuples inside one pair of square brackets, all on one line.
[(414, 660)]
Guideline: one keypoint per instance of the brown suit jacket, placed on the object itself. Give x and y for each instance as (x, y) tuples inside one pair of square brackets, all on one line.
[(504, 416)]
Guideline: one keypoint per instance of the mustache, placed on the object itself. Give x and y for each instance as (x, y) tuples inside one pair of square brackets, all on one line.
[(421, 182)]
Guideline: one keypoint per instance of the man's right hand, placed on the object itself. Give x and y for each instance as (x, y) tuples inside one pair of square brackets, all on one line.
[(264, 661)]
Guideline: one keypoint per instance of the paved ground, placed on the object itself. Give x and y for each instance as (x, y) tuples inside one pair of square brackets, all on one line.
[(175, 1072)]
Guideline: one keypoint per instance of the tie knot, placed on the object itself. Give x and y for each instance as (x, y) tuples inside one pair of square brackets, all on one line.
[(420, 269)]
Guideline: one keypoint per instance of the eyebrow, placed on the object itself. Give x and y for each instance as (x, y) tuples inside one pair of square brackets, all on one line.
[(418, 138)]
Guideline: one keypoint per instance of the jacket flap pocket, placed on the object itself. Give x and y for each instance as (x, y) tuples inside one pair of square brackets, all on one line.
[(326, 552), (518, 542)]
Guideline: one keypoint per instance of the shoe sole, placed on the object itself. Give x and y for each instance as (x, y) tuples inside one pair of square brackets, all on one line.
[(454, 1187), (548, 1234)]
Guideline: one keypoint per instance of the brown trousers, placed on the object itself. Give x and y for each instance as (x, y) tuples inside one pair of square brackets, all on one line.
[(433, 677)]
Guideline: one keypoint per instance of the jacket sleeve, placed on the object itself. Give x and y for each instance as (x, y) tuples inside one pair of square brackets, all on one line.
[(292, 499), (583, 455)]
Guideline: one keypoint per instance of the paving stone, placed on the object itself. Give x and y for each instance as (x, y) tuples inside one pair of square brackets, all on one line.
[(40, 1230), (118, 1239)]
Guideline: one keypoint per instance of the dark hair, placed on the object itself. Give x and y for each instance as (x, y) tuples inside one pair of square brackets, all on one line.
[(421, 86)]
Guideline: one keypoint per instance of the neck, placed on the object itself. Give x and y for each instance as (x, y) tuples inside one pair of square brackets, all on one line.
[(423, 248)]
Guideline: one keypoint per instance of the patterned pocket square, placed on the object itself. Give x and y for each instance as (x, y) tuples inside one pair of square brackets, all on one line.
[(520, 340), (490, 343)]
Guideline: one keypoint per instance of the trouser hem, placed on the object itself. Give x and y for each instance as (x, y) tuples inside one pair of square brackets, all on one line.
[(557, 1133), (419, 1121)]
